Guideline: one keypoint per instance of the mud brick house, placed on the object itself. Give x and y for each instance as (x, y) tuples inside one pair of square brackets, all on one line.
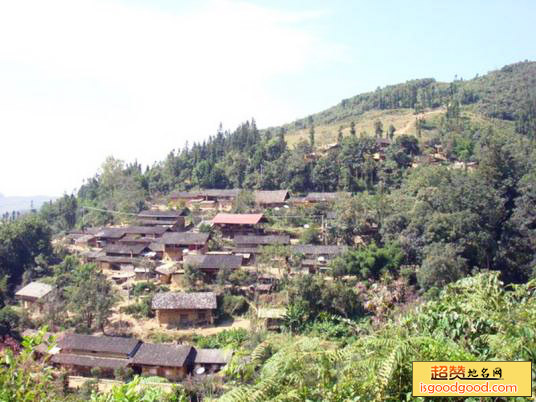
[(184, 309), (172, 219), (205, 199), (211, 264), (249, 246), (35, 295), (209, 361), (316, 257), (147, 231), (271, 318), (118, 262), (166, 271), (109, 236), (271, 199), (231, 225), (79, 354), (126, 250), (176, 243), (173, 362)]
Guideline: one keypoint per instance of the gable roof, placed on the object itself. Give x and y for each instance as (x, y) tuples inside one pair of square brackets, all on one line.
[(271, 197), (167, 355), (324, 197), (194, 300), (105, 344), (184, 238), (219, 261), (313, 249), (89, 361), (212, 356), (154, 213), (262, 240), (145, 230), (35, 290), (217, 193), (238, 219), (111, 233), (126, 249)]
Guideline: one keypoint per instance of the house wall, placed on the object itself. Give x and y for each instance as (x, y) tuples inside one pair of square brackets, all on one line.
[(177, 317), (95, 354), (171, 373)]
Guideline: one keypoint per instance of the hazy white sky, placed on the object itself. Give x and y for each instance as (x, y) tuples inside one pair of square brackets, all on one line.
[(83, 79)]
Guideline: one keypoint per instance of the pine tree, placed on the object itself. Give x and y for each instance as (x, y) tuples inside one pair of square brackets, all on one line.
[(339, 135), (352, 129), (312, 136)]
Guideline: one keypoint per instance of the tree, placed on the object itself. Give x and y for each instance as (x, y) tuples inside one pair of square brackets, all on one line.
[(352, 129), (312, 136), (244, 202), (392, 130), (90, 297), (441, 266), (339, 136), (378, 128)]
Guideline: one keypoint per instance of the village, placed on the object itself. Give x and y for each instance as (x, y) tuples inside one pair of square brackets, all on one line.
[(191, 250)]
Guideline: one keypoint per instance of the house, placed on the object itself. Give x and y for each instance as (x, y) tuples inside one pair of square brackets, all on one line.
[(173, 362), (249, 246), (317, 198), (206, 198), (271, 318), (117, 262), (147, 231), (271, 199), (126, 250), (211, 264), (178, 243), (183, 309), (35, 295), (109, 236), (172, 219), (165, 272), (316, 257), (209, 361), (383, 143), (79, 354), (231, 225)]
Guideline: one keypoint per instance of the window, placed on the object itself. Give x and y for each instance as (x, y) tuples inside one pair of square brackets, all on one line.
[(202, 315), (183, 317)]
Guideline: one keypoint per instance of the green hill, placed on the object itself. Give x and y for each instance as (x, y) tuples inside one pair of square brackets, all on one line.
[(500, 97)]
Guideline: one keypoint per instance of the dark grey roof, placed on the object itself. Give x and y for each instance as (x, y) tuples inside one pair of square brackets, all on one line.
[(126, 249), (212, 356), (166, 355), (312, 249), (111, 233), (118, 260), (145, 230), (247, 250), (152, 213), (271, 197), (184, 238), (261, 240), (89, 361), (218, 261), (217, 193), (194, 300), (105, 344)]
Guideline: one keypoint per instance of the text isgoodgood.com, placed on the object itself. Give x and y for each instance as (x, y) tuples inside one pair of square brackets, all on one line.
[(467, 388)]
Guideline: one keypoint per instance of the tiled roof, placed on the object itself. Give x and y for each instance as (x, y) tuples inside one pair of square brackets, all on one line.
[(312, 249), (103, 344), (220, 262), (89, 361), (184, 238), (154, 213), (35, 289), (165, 355), (194, 300), (261, 240), (125, 249), (237, 219), (271, 197), (212, 356)]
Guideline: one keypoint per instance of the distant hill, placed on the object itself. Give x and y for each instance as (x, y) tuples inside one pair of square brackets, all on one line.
[(21, 204), (501, 98)]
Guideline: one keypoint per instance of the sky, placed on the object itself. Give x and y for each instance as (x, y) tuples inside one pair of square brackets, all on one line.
[(82, 80)]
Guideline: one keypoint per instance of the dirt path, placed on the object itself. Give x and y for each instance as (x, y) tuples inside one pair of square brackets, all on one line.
[(411, 123)]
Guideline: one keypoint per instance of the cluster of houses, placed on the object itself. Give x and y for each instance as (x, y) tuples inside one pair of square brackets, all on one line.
[(81, 354)]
